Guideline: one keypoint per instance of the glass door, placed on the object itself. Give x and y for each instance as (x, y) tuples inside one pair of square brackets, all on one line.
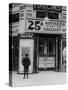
[(46, 53)]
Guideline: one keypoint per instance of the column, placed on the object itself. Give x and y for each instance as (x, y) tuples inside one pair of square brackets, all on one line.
[(56, 60)]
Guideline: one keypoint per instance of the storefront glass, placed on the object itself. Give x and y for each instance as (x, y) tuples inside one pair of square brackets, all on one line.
[(46, 53)]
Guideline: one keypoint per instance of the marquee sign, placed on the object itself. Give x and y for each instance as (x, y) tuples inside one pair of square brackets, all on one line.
[(37, 25)]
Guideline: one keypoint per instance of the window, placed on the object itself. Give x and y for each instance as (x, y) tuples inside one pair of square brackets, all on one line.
[(13, 17), (51, 15), (16, 17), (29, 14), (51, 47), (41, 47), (40, 14), (47, 46)]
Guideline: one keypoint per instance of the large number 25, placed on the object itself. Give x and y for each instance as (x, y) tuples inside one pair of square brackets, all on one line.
[(37, 27)]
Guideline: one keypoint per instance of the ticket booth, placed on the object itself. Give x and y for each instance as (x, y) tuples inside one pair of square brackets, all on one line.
[(26, 46)]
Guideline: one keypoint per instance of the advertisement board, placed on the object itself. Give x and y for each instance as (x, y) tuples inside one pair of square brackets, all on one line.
[(51, 26)]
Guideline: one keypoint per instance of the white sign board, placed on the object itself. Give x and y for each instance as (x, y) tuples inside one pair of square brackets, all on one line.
[(38, 25)]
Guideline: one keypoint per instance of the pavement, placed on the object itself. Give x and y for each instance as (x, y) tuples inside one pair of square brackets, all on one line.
[(41, 78)]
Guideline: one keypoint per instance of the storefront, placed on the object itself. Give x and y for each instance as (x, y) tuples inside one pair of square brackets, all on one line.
[(43, 45), (38, 30)]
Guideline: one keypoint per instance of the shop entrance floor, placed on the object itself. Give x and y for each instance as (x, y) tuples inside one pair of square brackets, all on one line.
[(41, 78)]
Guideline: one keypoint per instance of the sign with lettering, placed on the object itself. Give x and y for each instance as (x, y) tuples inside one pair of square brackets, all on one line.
[(37, 25), (47, 7)]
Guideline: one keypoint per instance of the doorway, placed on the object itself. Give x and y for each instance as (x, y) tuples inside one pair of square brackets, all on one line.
[(46, 53)]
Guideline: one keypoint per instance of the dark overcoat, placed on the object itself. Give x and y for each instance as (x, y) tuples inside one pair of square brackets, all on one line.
[(26, 63)]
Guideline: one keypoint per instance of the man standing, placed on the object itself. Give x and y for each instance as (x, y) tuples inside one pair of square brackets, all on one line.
[(26, 64)]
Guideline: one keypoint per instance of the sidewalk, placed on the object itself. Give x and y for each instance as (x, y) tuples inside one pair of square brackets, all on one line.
[(41, 78)]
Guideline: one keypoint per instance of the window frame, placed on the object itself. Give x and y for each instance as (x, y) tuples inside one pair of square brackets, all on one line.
[(49, 41), (46, 14)]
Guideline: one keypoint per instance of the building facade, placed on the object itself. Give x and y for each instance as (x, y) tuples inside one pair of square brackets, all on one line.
[(40, 31)]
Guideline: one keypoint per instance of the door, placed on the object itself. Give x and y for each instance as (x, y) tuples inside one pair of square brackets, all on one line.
[(46, 53), (42, 52)]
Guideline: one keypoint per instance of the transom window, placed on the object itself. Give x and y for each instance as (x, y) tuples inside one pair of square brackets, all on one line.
[(46, 47)]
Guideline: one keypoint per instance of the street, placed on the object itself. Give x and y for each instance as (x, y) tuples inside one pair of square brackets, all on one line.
[(41, 78)]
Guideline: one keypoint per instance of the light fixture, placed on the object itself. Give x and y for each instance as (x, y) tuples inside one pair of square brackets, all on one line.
[(46, 19)]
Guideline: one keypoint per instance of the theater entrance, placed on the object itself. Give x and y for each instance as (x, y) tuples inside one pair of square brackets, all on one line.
[(47, 53)]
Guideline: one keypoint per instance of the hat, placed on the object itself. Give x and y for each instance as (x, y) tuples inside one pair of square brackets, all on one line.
[(26, 54)]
